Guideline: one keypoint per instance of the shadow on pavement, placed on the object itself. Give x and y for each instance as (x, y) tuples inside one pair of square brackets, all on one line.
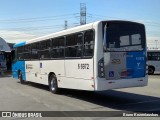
[(111, 99)]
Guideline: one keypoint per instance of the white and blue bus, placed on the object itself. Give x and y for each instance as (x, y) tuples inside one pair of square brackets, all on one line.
[(98, 56), (153, 61)]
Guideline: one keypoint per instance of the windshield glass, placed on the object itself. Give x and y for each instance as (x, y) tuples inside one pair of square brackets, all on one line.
[(124, 36)]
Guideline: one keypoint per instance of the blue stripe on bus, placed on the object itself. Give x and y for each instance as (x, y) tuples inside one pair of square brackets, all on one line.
[(19, 44), (16, 66)]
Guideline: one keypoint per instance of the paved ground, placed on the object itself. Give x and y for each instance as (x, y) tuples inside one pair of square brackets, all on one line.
[(32, 97)]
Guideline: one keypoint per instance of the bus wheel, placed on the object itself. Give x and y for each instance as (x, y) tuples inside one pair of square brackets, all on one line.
[(53, 86), (150, 70), (20, 77)]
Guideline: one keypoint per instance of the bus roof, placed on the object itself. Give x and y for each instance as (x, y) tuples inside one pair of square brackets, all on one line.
[(19, 44)]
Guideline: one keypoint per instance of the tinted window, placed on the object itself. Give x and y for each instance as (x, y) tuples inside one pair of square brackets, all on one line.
[(124, 36), (74, 45), (155, 56), (34, 50), (88, 43), (58, 42), (27, 55), (44, 51), (57, 49), (20, 51), (20, 56), (70, 40), (27, 48), (44, 54), (45, 44), (27, 52)]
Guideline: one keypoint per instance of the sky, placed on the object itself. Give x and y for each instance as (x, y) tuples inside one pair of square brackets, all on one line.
[(22, 20)]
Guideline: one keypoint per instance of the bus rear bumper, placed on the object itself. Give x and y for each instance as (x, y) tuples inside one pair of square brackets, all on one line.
[(103, 84)]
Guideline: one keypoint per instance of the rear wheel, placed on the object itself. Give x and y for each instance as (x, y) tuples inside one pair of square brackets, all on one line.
[(150, 70), (53, 86)]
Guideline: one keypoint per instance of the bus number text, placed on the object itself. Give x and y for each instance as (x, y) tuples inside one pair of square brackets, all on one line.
[(83, 66)]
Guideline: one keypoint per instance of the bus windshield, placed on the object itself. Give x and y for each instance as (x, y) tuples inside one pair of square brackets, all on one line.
[(124, 36)]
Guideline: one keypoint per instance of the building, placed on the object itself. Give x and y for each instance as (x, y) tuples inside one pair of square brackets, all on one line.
[(5, 56)]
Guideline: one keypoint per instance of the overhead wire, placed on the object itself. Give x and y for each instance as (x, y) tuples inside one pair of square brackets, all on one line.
[(49, 28)]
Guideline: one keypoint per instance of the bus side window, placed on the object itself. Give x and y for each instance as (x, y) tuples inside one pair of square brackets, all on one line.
[(27, 52), (74, 45), (149, 56), (70, 49), (34, 50), (20, 51), (88, 43), (13, 55), (78, 42), (44, 50)]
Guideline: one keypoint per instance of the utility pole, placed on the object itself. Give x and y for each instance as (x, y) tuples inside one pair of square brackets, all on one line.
[(65, 24), (82, 13)]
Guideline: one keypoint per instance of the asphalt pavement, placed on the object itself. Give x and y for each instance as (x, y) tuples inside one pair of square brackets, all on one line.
[(36, 97)]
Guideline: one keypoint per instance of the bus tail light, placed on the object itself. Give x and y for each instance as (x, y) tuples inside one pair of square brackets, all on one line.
[(101, 72)]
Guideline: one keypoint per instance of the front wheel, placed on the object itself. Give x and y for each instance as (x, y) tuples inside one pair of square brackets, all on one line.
[(53, 86)]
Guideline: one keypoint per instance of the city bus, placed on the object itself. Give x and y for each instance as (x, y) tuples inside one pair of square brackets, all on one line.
[(153, 61), (97, 56)]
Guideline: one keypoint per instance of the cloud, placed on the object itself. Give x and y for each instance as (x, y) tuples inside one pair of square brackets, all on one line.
[(15, 36)]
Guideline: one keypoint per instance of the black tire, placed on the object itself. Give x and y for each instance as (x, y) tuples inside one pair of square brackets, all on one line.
[(20, 77), (53, 86), (150, 70)]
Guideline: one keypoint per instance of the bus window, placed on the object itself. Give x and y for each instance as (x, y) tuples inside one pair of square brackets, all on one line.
[(125, 37), (34, 50), (44, 51), (20, 51), (13, 55), (74, 45), (57, 48), (154, 56), (88, 43), (27, 52)]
